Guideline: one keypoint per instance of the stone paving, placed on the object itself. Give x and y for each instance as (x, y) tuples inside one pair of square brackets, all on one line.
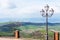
[(8, 38), (4, 38)]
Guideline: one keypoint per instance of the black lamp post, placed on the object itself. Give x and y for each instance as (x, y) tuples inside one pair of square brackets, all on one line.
[(46, 12)]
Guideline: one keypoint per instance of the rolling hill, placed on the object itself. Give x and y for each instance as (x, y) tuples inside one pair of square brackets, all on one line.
[(10, 26)]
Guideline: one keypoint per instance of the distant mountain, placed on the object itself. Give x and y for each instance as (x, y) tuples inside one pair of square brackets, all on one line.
[(27, 23), (9, 26), (38, 24)]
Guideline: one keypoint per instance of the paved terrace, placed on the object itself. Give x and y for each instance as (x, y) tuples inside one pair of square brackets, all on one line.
[(10, 38)]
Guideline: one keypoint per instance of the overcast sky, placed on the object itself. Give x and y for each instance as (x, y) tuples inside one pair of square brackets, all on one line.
[(27, 10)]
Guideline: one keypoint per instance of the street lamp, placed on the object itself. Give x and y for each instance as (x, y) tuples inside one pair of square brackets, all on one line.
[(46, 12)]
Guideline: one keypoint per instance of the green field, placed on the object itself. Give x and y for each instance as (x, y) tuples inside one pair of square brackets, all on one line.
[(32, 31)]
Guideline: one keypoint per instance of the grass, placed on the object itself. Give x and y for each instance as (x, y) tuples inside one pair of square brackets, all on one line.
[(6, 34), (31, 28)]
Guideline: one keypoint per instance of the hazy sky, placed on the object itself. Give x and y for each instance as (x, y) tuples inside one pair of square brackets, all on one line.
[(27, 10)]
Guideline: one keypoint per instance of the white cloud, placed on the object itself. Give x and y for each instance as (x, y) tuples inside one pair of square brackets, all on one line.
[(4, 3), (23, 9)]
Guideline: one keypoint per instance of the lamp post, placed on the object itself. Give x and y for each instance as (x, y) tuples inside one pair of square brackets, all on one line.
[(46, 12)]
